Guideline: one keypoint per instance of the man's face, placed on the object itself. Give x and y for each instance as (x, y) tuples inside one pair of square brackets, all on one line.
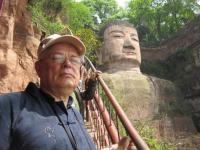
[(121, 43), (59, 68)]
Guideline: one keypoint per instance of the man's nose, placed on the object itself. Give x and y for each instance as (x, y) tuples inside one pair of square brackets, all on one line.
[(67, 63)]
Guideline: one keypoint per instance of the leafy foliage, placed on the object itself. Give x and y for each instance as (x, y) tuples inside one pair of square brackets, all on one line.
[(148, 134), (42, 20), (102, 10), (79, 16), (91, 41), (52, 8), (63, 16), (157, 20)]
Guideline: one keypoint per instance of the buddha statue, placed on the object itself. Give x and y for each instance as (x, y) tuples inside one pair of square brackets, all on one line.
[(121, 49), (143, 97)]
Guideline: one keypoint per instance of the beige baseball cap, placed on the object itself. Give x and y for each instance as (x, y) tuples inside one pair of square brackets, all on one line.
[(56, 38)]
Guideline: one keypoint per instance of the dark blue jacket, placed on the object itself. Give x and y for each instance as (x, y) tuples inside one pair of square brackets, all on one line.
[(32, 120)]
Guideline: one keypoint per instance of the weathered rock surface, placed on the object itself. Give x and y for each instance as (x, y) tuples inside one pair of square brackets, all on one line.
[(144, 97), (155, 102), (18, 44)]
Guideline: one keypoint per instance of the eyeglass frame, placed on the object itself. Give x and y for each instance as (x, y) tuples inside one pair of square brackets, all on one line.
[(63, 59)]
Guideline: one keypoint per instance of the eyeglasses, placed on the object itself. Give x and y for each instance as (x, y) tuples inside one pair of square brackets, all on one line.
[(60, 58)]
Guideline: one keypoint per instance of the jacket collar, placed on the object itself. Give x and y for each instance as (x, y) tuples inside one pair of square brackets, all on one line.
[(36, 92)]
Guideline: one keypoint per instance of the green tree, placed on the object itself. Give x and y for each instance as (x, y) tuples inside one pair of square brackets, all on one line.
[(91, 41), (64, 16), (79, 16), (52, 8), (102, 9), (142, 16), (42, 20), (158, 19), (178, 12)]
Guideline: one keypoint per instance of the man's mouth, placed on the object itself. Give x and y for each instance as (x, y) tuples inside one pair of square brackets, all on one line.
[(67, 74)]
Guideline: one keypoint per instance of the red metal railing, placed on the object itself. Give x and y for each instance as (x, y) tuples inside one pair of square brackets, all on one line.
[(100, 135), (98, 112)]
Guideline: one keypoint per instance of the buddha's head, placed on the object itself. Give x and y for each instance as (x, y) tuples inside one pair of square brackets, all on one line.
[(121, 44)]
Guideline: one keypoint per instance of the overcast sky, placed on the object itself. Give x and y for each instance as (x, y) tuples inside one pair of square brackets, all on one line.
[(122, 3)]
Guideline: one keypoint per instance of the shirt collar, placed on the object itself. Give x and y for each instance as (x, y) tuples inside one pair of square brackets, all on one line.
[(35, 91)]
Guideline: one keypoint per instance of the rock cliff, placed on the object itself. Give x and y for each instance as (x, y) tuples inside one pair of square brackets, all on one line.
[(18, 42)]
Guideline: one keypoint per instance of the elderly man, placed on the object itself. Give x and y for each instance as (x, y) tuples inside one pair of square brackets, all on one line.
[(41, 118)]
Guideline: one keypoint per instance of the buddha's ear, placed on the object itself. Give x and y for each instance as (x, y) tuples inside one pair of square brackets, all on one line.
[(99, 54)]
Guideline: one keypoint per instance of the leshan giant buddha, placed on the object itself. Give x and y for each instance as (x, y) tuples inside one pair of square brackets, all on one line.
[(143, 97), (121, 49)]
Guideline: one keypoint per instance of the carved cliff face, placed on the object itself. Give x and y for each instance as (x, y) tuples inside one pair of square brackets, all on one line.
[(19, 41), (121, 45)]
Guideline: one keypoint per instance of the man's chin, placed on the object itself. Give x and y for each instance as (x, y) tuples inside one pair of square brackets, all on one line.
[(66, 84)]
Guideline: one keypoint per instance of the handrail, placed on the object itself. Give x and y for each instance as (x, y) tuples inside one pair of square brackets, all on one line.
[(131, 131)]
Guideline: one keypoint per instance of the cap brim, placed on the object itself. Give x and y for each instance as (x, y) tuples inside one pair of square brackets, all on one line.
[(74, 41)]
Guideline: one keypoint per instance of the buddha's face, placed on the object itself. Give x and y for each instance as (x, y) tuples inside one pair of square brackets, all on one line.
[(121, 43)]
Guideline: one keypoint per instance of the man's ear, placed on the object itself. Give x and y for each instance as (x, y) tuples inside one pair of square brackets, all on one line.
[(81, 70), (37, 68)]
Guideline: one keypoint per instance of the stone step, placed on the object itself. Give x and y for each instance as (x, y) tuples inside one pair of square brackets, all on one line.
[(89, 128)]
